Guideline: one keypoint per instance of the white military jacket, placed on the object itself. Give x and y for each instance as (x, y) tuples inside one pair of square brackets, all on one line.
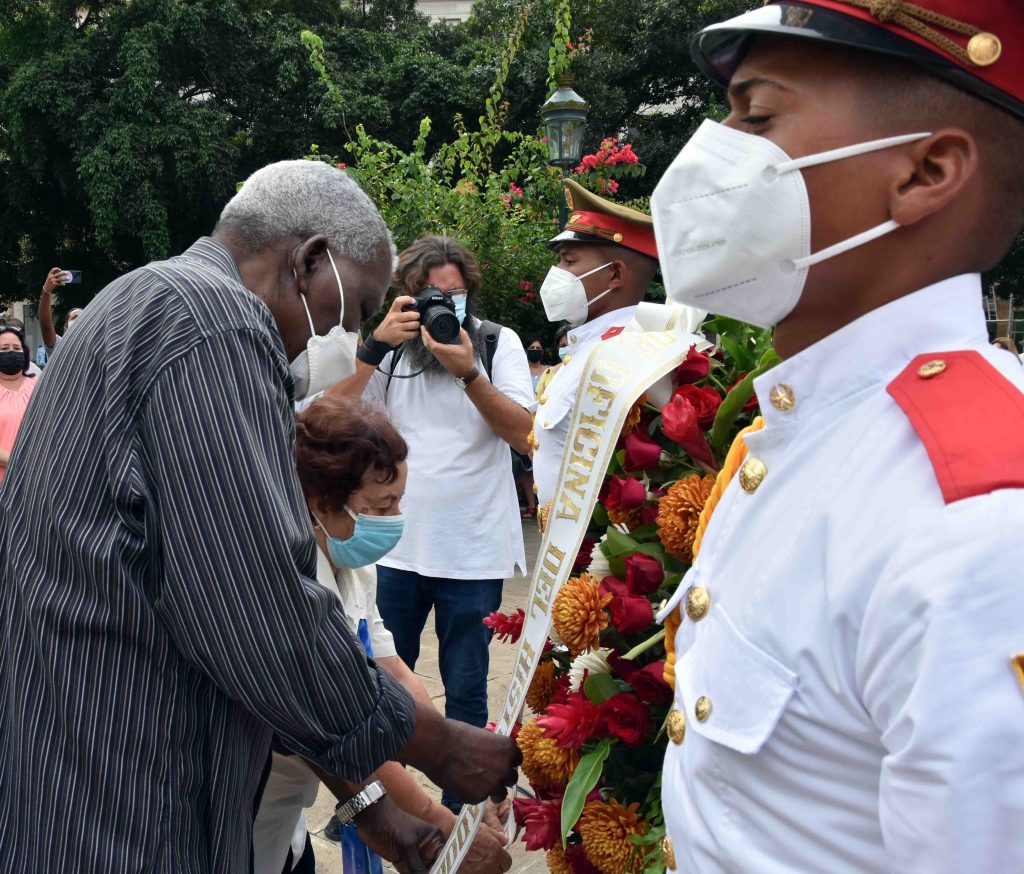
[(551, 424), (848, 685)]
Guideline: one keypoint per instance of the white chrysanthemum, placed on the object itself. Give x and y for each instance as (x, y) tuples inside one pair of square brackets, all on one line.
[(593, 662), (599, 567)]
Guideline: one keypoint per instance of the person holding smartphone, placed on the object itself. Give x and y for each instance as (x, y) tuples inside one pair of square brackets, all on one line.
[(56, 277)]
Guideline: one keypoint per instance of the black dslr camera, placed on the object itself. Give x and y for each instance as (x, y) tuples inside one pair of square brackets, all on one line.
[(437, 314)]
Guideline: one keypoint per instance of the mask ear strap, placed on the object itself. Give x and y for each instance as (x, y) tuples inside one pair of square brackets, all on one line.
[(341, 290), (845, 245), (846, 152), (312, 330)]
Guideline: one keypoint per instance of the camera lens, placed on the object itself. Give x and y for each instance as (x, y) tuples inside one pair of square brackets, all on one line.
[(441, 324)]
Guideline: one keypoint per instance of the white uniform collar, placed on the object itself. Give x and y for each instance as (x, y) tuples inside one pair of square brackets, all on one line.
[(874, 349), (592, 331)]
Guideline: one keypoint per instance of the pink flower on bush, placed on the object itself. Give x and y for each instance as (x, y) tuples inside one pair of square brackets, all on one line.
[(526, 285)]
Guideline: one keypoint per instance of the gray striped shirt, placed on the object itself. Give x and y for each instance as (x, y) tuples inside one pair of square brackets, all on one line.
[(161, 615)]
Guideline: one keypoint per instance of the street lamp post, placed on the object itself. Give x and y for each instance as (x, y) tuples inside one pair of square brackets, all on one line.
[(565, 121)]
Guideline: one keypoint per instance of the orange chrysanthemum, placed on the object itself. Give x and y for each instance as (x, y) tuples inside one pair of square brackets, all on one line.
[(544, 762), (579, 613), (679, 513), (542, 687), (633, 417), (606, 829), (556, 860)]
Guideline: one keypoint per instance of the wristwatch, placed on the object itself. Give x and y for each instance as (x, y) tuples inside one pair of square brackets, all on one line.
[(350, 809), (463, 382)]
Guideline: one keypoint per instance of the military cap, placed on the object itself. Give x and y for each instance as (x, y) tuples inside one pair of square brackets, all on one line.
[(977, 45), (593, 219)]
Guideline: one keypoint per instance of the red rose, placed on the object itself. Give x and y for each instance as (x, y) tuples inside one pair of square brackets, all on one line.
[(643, 574), (631, 614), (627, 719), (584, 556), (625, 494), (572, 724), (695, 367), (615, 586), (507, 626), (679, 422), (705, 400), (650, 684), (642, 453), (541, 821)]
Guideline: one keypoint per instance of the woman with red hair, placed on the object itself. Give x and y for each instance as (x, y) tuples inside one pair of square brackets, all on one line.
[(352, 466)]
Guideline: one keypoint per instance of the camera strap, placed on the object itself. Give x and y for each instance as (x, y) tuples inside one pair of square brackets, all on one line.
[(490, 330)]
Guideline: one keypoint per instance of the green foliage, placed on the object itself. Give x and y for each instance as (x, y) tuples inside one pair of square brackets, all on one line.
[(125, 124), (582, 782)]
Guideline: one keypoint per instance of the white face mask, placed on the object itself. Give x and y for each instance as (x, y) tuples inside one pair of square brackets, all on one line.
[(733, 223), (565, 298), (325, 360)]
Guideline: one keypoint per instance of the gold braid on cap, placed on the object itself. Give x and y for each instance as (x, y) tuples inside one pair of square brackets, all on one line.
[(982, 49), (594, 231)]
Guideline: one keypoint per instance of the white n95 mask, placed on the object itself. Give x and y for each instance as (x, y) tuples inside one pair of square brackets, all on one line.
[(328, 359), (564, 296), (732, 220)]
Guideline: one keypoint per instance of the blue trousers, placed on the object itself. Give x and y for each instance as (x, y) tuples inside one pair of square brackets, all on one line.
[(404, 599)]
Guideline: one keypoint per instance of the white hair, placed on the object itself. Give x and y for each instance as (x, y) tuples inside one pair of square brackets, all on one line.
[(300, 199)]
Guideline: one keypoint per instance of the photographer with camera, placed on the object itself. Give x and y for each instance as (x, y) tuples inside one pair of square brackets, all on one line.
[(459, 391)]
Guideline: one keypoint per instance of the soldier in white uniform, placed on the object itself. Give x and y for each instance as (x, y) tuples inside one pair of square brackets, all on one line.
[(606, 260), (849, 672)]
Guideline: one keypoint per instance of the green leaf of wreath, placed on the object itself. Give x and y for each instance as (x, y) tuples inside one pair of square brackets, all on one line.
[(732, 406), (583, 780)]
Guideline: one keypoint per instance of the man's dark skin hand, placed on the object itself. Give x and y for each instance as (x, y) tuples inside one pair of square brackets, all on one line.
[(469, 763), (408, 843)]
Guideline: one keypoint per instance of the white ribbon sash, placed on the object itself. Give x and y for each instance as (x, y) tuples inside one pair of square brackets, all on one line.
[(617, 372)]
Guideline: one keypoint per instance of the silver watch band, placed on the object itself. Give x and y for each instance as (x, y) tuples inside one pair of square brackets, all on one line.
[(350, 809)]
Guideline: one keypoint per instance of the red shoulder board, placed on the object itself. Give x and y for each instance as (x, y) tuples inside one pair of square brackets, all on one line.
[(970, 419), (612, 332)]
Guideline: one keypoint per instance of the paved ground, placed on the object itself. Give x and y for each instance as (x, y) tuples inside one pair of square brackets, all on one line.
[(515, 593)]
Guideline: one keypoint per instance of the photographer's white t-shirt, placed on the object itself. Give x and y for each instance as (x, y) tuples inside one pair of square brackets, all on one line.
[(460, 506)]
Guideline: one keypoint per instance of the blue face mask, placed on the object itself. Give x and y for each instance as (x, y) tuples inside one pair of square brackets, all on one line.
[(562, 353), (460, 306), (373, 538)]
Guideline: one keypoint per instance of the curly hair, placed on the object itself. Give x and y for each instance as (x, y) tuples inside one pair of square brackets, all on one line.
[(429, 252), (337, 442)]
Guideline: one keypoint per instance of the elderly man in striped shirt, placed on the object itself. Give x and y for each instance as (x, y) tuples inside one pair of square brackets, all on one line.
[(161, 617)]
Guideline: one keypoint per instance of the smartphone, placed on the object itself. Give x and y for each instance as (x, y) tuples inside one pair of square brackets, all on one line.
[(72, 277)]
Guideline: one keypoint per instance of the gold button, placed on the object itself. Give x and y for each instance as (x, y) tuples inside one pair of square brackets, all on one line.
[(536, 489), (984, 49), (572, 338), (702, 709), (782, 397), (543, 398), (617, 238), (668, 853), (932, 368), (752, 473), (567, 359), (698, 601), (676, 726)]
